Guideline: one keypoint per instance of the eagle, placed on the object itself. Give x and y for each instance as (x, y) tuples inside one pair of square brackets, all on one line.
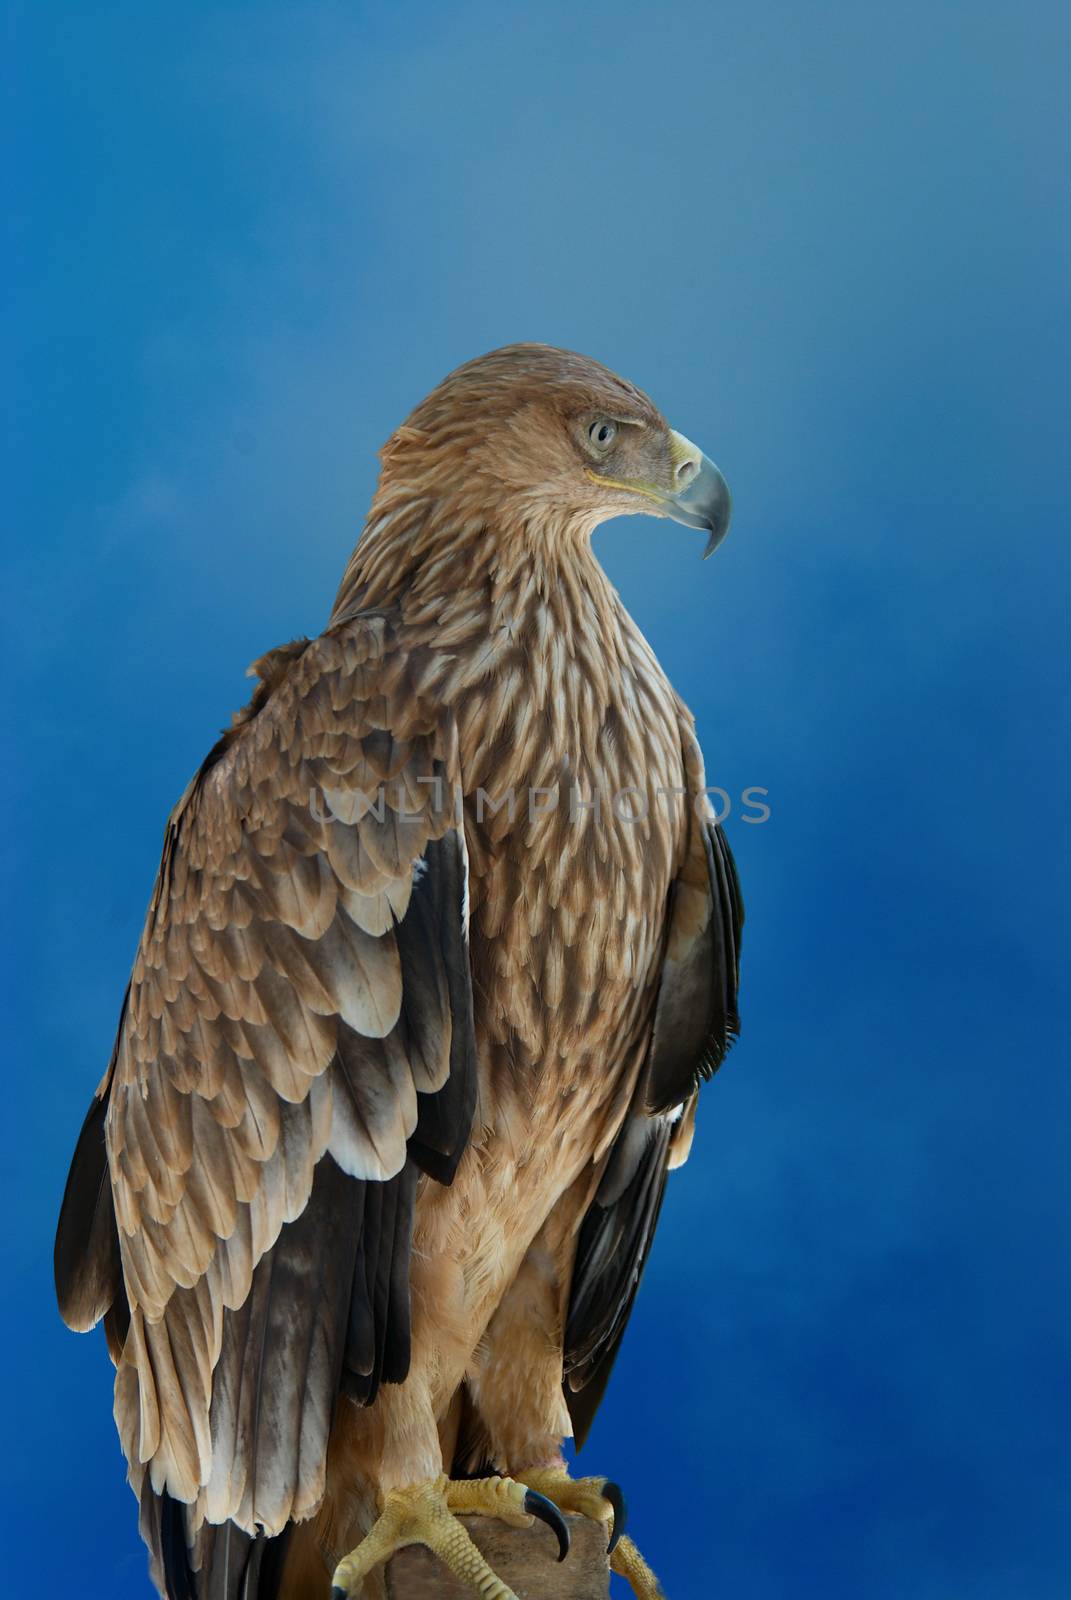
[(443, 943)]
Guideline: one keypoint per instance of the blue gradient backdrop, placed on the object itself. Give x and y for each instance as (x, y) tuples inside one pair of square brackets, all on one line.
[(833, 242)]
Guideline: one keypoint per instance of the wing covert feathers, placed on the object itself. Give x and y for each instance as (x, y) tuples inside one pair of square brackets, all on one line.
[(296, 1043)]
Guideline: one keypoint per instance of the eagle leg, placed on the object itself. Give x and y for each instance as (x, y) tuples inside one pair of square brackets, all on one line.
[(602, 1500), (427, 1513), (627, 1561)]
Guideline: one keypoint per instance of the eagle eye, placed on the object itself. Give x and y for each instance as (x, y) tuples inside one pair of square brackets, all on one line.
[(602, 433)]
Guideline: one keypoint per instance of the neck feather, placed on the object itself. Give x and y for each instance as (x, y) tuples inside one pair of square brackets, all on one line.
[(430, 558)]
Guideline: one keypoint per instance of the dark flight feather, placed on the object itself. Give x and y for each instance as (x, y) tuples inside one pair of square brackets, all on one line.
[(432, 940), (696, 1018), (696, 1021), (612, 1250), (170, 1539), (88, 1269)]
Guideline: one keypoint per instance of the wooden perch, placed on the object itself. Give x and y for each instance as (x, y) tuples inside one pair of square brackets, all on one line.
[(524, 1558)]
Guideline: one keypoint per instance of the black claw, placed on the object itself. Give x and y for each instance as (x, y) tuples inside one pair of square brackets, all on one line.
[(612, 1492), (537, 1505)]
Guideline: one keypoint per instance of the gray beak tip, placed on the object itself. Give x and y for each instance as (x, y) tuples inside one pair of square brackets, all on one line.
[(705, 504)]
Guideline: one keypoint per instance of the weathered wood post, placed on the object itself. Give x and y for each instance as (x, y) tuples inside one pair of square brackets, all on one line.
[(524, 1558)]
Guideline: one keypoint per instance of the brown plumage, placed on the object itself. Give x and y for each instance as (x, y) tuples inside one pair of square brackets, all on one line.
[(368, 1186)]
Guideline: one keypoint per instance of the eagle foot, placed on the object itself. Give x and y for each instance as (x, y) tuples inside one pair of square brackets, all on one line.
[(602, 1500), (427, 1513)]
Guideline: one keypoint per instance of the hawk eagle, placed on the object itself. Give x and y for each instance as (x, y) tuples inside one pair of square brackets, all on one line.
[(443, 942)]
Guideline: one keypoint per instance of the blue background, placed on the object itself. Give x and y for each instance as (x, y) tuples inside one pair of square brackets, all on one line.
[(833, 242)]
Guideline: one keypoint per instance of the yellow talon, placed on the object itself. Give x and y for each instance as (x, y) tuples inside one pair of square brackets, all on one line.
[(583, 1496), (601, 1500), (427, 1513)]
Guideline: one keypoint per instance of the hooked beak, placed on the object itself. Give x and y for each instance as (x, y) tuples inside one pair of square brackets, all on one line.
[(702, 499)]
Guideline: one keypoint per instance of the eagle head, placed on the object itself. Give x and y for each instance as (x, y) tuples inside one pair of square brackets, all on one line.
[(560, 441)]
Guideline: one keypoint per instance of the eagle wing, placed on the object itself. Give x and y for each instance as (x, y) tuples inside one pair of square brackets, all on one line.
[(296, 1045), (695, 1023)]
